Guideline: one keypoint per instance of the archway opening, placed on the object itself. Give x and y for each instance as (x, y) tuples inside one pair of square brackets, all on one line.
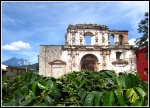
[(89, 62), (111, 39)]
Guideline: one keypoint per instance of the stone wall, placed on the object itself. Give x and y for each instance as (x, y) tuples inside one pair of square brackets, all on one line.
[(56, 60), (48, 53)]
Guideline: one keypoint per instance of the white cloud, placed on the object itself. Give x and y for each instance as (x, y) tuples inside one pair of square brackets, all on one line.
[(16, 46), (131, 41)]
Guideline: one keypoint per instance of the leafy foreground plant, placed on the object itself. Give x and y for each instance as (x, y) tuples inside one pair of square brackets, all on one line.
[(86, 88)]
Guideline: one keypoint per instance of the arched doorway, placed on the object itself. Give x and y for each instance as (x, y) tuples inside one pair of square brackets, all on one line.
[(89, 62)]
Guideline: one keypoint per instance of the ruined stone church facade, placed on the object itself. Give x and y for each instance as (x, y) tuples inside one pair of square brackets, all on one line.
[(77, 55)]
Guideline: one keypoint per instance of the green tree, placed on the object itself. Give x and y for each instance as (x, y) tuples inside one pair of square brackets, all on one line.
[(143, 28), (143, 40)]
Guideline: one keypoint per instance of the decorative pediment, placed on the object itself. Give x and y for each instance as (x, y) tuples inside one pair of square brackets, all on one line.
[(57, 62)]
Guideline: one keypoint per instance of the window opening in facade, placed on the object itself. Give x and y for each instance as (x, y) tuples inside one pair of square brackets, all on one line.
[(111, 40), (118, 55), (87, 40)]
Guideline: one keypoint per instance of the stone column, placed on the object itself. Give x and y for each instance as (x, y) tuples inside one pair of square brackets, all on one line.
[(117, 37), (116, 40), (78, 62), (75, 38), (108, 39), (96, 38), (80, 35), (69, 37), (98, 35), (100, 38), (92, 40)]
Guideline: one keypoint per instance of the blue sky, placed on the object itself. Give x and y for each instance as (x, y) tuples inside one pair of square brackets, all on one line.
[(27, 25)]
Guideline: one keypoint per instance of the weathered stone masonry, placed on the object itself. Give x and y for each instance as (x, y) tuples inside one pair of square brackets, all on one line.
[(48, 53), (75, 55)]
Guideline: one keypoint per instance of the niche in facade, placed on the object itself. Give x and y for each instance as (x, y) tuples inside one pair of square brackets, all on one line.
[(57, 68), (118, 55)]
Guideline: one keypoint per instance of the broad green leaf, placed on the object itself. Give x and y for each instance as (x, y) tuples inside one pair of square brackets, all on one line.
[(49, 101), (144, 86), (82, 93), (34, 85), (74, 82), (140, 92), (110, 81), (25, 77), (81, 83), (111, 73), (133, 98), (133, 80), (108, 99), (56, 93), (79, 77), (24, 91), (33, 79), (137, 103), (42, 84), (50, 84), (28, 101), (120, 98), (125, 81), (138, 79), (29, 76), (129, 83), (129, 93), (18, 97), (97, 98), (103, 75), (9, 104), (118, 81), (89, 99)]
